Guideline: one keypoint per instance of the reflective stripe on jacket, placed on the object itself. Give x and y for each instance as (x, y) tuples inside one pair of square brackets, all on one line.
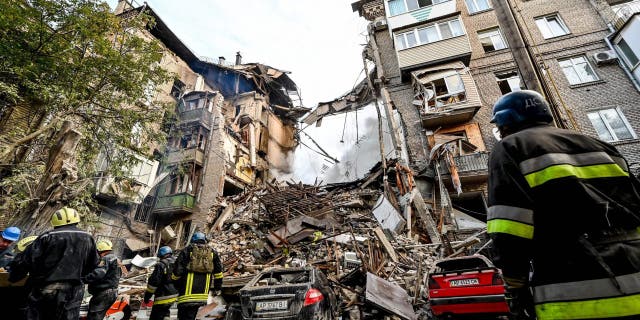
[(559, 201), (160, 283), (193, 287)]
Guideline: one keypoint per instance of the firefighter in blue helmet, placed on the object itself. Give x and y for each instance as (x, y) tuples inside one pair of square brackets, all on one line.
[(196, 269), (161, 286), (7, 238), (563, 216)]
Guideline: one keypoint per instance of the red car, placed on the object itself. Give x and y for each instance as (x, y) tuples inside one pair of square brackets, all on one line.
[(467, 286)]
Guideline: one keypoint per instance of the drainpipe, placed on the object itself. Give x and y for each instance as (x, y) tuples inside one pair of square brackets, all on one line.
[(621, 63)]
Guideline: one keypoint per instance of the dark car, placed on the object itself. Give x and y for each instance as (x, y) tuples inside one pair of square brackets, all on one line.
[(288, 293)]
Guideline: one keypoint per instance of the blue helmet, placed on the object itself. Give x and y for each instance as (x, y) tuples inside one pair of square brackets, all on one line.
[(163, 251), (519, 108), (11, 233), (198, 237)]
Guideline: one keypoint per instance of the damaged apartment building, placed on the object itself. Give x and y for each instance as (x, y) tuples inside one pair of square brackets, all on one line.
[(441, 64), (234, 126)]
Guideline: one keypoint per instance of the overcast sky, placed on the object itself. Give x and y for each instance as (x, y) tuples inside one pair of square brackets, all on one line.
[(319, 42)]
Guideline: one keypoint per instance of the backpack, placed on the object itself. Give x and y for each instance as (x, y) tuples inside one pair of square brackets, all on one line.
[(201, 259)]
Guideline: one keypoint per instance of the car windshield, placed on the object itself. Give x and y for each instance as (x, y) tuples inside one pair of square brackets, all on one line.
[(280, 278)]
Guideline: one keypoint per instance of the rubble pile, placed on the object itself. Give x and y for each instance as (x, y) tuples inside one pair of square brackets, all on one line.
[(350, 231)]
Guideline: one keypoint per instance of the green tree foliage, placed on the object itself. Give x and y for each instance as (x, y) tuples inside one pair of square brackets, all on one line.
[(73, 60)]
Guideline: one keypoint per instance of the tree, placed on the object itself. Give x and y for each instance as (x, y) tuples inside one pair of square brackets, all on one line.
[(74, 63)]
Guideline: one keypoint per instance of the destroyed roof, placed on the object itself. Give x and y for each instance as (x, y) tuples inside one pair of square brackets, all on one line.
[(261, 78), (358, 97)]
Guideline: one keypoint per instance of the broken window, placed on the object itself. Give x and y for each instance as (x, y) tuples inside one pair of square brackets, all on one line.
[(177, 88), (578, 70), (509, 81), (551, 26), (611, 125), (491, 40), (440, 92)]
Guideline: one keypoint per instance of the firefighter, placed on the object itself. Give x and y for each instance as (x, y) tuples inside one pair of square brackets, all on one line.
[(563, 216), (161, 285), (103, 281), (56, 262), (7, 238), (196, 267)]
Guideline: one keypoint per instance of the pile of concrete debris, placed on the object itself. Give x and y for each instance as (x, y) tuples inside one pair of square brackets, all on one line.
[(361, 234)]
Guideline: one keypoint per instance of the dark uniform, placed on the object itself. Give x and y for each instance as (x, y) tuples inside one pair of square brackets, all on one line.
[(56, 263), (565, 205), (161, 285), (103, 286), (193, 287)]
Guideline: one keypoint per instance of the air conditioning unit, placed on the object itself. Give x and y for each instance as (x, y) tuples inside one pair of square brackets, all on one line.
[(380, 24), (351, 260), (605, 57)]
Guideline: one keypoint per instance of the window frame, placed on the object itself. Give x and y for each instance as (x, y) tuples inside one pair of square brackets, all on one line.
[(624, 54), (406, 6), (416, 33), (475, 2), (494, 29), (507, 72), (561, 22), (611, 131), (573, 66)]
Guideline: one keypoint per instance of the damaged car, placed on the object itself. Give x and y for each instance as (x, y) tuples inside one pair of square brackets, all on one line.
[(288, 293)]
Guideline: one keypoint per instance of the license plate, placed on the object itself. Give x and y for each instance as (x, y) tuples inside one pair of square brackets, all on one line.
[(464, 282), (272, 305)]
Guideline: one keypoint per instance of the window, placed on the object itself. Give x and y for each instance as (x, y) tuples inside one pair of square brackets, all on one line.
[(509, 81), (436, 32), (578, 70), (627, 52), (611, 125), (491, 40), (477, 5), (448, 89), (177, 88), (397, 7), (551, 26)]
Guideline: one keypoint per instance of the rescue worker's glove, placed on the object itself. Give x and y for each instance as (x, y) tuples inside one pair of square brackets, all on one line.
[(147, 297)]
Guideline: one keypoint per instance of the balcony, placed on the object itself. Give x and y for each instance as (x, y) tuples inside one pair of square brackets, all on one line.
[(179, 203), (624, 13), (450, 115), (457, 48), (422, 14), (201, 115), (186, 155), (471, 167)]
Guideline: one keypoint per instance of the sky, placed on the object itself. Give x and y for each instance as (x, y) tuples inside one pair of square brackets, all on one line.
[(319, 42)]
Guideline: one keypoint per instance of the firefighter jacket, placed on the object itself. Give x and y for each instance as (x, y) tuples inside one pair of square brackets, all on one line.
[(64, 254), (193, 287), (160, 283), (564, 206), (105, 276)]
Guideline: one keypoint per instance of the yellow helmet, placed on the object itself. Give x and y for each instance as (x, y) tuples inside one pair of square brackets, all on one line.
[(24, 243), (64, 217), (104, 245)]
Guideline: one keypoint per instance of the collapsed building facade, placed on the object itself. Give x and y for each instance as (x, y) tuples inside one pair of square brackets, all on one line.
[(234, 126)]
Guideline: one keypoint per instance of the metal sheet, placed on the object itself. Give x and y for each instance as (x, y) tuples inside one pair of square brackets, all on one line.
[(389, 297), (387, 215)]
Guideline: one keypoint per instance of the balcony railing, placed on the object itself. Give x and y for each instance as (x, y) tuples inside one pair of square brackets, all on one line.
[(474, 165), (178, 203), (186, 155), (203, 115)]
